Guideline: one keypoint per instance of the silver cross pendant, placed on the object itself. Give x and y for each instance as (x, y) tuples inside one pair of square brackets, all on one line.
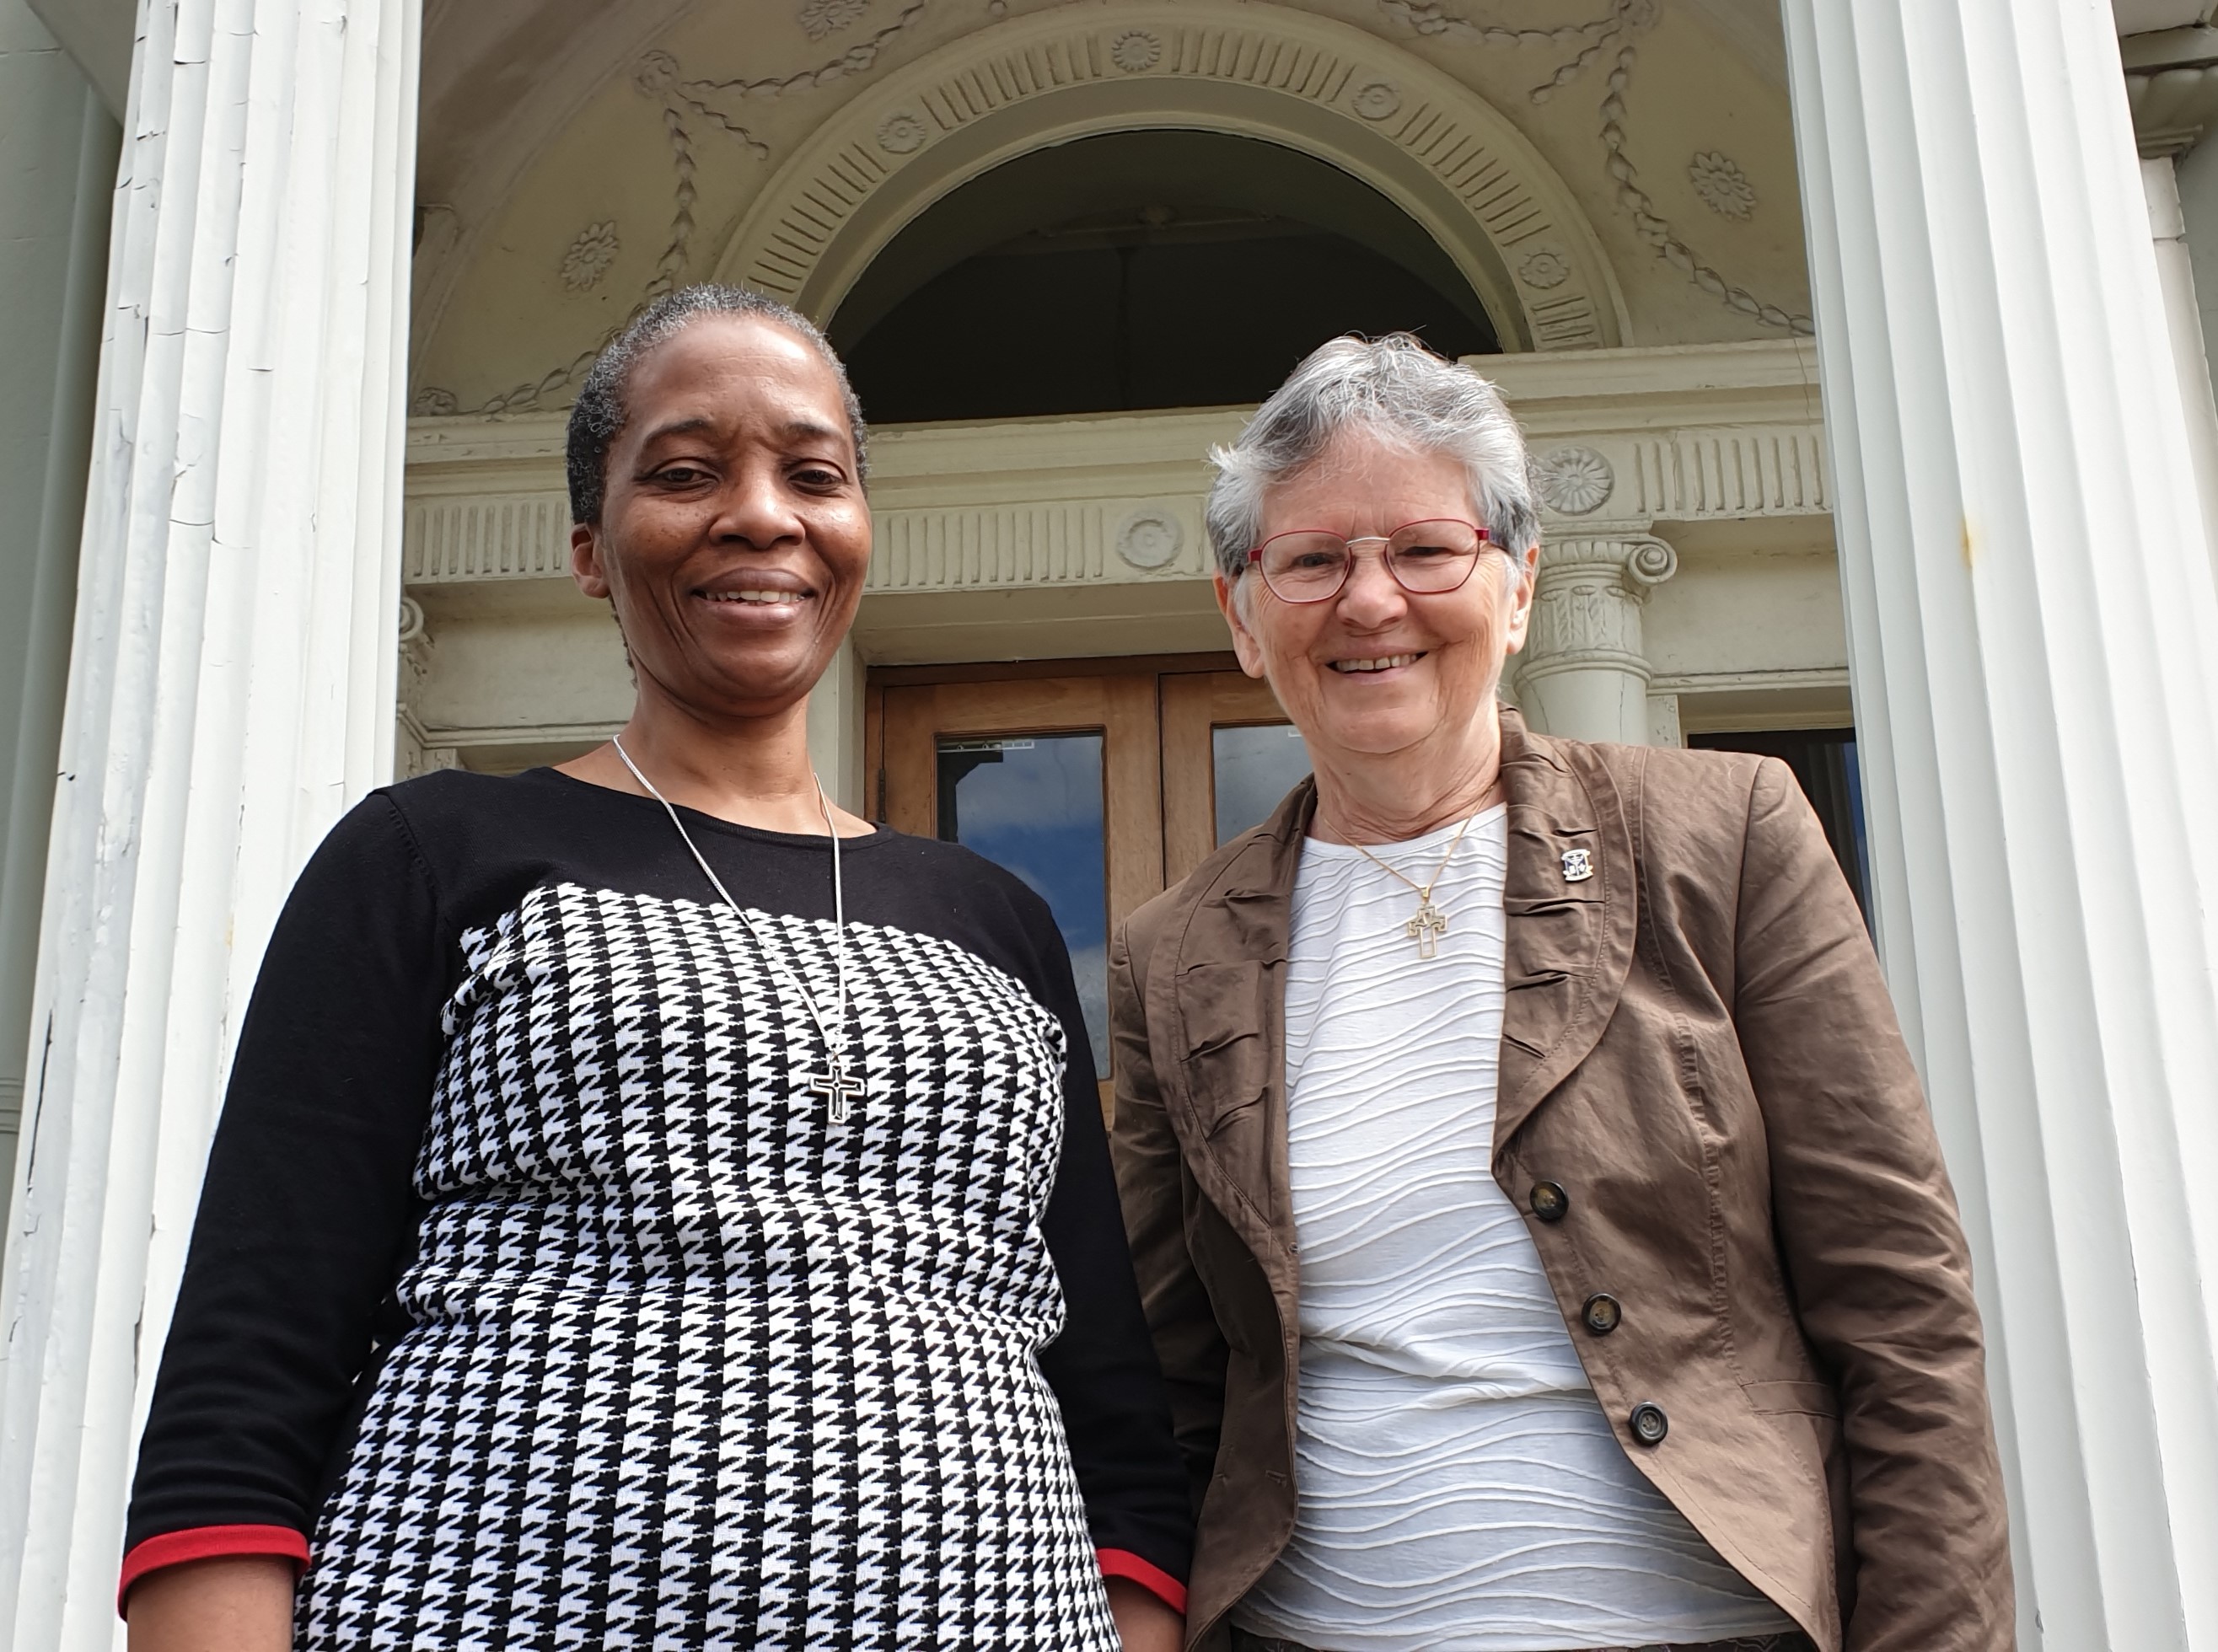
[(835, 1085)]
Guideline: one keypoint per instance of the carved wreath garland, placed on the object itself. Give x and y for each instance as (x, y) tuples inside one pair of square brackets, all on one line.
[(820, 17)]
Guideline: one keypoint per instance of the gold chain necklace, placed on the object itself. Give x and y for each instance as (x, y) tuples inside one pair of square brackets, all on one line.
[(1430, 921)]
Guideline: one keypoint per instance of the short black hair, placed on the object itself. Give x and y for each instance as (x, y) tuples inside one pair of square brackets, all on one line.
[(602, 408)]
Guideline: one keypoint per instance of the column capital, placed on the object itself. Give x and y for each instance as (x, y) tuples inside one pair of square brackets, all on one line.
[(1584, 669), (1640, 559)]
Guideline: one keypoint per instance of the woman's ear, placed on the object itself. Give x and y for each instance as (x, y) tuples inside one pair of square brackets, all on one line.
[(1244, 644), (586, 565), (1524, 575)]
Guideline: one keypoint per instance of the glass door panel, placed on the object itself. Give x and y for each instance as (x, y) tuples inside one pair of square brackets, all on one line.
[(1033, 804), (1055, 778), (1252, 768), (1229, 756)]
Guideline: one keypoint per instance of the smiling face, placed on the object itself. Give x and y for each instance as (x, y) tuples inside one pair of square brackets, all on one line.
[(1375, 673), (733, 537)]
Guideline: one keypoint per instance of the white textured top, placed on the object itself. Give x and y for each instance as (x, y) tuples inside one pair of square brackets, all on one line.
[(1459, 1487)]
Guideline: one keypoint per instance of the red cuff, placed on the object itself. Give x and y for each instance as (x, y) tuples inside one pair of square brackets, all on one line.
[(207, 1542), (1123, 1562)]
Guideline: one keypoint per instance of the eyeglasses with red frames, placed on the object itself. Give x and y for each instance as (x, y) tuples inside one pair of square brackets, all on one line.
[(1426, 559)]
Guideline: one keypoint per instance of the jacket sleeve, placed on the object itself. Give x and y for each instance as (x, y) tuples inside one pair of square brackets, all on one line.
[(1151, 1179), (305, 1209), (1102, 1366), (1867, 1228)]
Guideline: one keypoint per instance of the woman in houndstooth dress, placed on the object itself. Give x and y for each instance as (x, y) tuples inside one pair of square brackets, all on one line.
[(624, 1230)]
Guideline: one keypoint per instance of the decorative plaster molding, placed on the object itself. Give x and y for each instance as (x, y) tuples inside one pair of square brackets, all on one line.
[(1545, 270), (1082, 542), (1377, 100), (1574, 480), (1655, 230), (492, 537), (1687, 434), (820, 17), (589, 256), (1137, 51), (903, 132), (1435, 21), (1690, 474), (1439, 151), (1723, 186), (659, 76), (1150, 538)]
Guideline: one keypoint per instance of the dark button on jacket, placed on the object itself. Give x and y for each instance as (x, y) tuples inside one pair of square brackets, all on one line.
[(1602, 1313), (1549, 1201)]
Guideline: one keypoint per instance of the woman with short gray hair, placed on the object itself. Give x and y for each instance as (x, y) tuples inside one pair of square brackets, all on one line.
[(1535, 1209)]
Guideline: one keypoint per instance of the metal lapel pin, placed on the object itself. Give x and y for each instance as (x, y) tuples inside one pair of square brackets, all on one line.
[(1578, 865)]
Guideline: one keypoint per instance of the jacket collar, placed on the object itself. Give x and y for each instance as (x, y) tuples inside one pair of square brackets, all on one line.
[(1569, 946)]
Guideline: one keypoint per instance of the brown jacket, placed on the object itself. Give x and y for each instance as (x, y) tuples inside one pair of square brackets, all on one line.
[(1699, 1051)]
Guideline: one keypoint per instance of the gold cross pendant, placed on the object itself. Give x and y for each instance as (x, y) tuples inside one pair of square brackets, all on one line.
[(1430, 921)]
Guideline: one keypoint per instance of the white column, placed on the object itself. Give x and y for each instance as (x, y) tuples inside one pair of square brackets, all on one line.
[(2034, 634), (230, 691), (1584, 673)]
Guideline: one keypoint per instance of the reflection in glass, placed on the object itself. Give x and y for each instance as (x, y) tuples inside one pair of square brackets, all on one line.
[(1255, 768), (1033, 805)]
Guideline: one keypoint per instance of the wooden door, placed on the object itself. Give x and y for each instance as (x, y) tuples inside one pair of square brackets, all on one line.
[(1229, 756), (1059, 779)]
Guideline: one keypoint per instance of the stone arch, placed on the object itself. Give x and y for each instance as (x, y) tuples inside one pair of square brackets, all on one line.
[(1429, 144)]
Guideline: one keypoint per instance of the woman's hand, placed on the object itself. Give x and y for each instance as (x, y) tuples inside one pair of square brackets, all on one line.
[(1144, 1623), (240, 1603)]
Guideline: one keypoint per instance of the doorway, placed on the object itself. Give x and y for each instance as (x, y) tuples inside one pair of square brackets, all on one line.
[(1098, 782)]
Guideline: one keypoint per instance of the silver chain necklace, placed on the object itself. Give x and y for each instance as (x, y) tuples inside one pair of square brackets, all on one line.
[(834, 1084)]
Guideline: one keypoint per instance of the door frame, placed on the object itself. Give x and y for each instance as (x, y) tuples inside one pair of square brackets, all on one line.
[(1122, 705), (1194, 707), (879, 678)]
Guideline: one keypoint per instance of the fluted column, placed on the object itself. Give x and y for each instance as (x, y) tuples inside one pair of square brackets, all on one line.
[(230, 691), (2034, 634), (1584, 672)]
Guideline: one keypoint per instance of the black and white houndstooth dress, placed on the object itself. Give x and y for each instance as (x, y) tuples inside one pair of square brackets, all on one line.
[(669, 1356)]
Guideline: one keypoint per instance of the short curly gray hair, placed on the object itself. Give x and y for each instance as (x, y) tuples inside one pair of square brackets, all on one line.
[(1393, 387), (603, 403)]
